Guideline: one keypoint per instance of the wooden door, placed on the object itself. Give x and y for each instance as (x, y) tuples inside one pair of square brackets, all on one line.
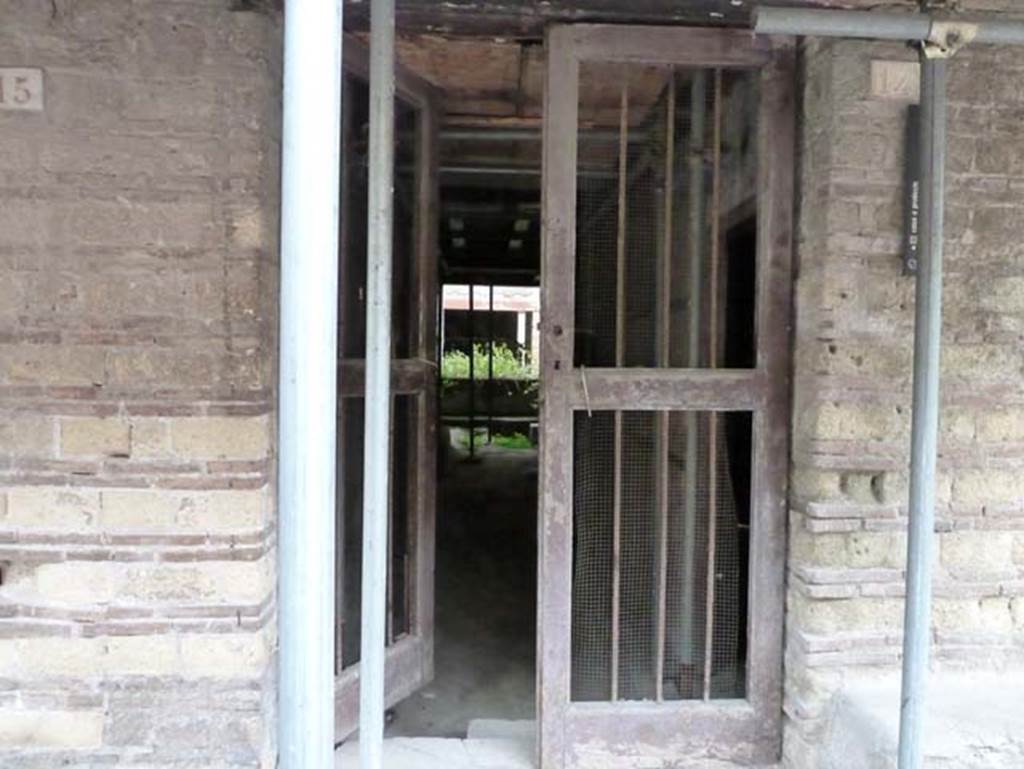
[(410, 631), (667, 215)]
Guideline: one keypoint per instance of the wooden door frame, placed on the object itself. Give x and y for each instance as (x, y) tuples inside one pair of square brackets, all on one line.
[(409, 661), (746, 730)]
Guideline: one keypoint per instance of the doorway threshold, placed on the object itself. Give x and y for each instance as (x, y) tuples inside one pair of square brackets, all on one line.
[(489, 744)]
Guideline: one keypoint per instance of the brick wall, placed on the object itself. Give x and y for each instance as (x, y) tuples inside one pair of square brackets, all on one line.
[(137, 270), (853, 351)]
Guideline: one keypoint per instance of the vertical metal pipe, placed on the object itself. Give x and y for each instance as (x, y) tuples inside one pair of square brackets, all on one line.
[(924, 432), (620, 235), (392, 502), (472, 371), (620, 360), (665, 417), (695, 253), (307, 403), (490, 363), (376, 482), (713, 417)]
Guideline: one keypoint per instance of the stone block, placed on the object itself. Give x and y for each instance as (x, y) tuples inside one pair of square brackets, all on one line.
[(27, 435), (1001, 425), (984, 488), (224, 511), (50, 657), (87, 583), (51, 365), (217, 511), (133, 509), (846, 615), (151, 439), (91, 437), (143, 656), (226, 656), (220, 437), (833, 420), (50, 508), (812, 483), (984, 616), (51, 728), (977, 556)]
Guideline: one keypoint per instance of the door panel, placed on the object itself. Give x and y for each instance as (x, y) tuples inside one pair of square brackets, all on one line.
[(409, 660), (667, 193)]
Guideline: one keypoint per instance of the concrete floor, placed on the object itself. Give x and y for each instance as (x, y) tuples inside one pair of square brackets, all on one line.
[(486, 598)]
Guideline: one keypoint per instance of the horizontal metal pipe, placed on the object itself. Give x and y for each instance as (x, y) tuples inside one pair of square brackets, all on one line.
[(516, 171), (527, 135), (490, 170), (875, 26)]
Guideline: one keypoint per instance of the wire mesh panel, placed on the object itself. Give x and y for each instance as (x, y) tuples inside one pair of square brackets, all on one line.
[(666, 157), (667, 210), (647, 576)]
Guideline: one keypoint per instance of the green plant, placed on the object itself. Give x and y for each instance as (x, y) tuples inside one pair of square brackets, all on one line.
[(514, 441), (507, 364)]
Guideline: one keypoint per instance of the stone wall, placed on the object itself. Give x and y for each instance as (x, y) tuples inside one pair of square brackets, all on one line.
[(853, 351), (137, 286)]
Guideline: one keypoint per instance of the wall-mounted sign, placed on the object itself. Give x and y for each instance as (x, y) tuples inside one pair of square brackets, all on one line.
[(897, 80), (21, 88), (912, 192)]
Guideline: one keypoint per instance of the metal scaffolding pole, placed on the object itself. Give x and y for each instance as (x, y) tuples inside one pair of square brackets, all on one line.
[(376, 469), (307, 403), (885, 26), (940, 39), (924, 433)]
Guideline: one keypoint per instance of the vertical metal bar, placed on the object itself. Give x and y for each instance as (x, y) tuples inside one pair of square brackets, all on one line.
[(472, 371), (344, 258), (664, 417), (924, 431), (716, 192), (376, 482), (695, 252), (390, 615), (307, 406), (441, 330), (620, 238), (620, 359), (490, 363)]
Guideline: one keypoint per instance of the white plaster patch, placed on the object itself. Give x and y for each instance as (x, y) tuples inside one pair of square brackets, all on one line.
[(897, 80), (21, 89)]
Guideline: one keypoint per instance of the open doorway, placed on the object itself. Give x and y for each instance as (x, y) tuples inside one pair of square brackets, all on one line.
[(486, 549), (656, 524), (464, 471)]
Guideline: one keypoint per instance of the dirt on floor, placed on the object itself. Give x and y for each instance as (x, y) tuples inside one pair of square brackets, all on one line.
[(486, 597)]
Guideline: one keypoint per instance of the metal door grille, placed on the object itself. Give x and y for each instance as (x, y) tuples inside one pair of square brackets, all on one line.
[(667, 209), (642, 598), (658, 589)]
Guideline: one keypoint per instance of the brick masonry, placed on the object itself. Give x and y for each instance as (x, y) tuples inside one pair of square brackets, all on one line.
[(852, 375), (138, 218)]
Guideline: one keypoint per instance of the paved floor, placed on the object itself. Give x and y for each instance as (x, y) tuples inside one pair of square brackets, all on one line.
[(489, 744), (441, 753), (486, 598), (972, 721)]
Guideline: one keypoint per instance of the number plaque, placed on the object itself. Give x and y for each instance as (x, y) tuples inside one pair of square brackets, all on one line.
[(21, 88)]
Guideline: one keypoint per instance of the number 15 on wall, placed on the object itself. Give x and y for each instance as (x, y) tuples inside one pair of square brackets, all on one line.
[(21, 89)]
